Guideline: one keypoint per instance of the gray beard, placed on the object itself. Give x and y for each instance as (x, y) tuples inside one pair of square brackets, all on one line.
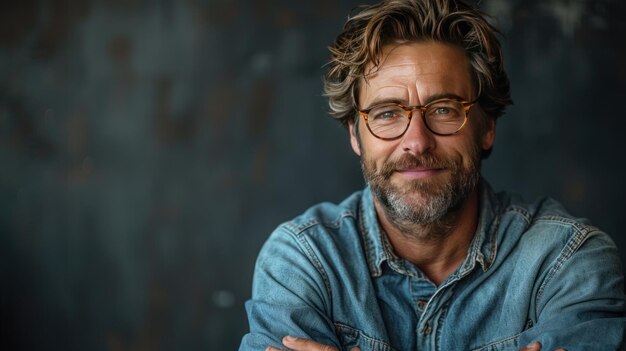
[(436, 212)]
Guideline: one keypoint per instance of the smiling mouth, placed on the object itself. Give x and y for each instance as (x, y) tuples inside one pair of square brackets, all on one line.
[(419, 172)]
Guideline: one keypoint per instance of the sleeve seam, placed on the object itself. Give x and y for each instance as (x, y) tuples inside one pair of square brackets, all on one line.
[(581, 234), (308, 251)]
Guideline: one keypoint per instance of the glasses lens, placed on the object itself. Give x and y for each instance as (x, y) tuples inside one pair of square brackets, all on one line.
[(387, 121), (445, 116)]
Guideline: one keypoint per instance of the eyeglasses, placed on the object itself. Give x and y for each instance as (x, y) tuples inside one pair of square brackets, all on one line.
[(390, 121)]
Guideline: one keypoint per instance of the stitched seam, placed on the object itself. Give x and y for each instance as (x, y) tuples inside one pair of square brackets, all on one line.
[(493, 251), (310, 254), (496, 343), (568, 221), (298, 231), (441, 321), (368, 244), (297, 228), (521, 211), (573, 244), (370, 341)]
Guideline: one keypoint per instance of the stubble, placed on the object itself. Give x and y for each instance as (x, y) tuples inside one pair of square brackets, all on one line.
[(428, 204)]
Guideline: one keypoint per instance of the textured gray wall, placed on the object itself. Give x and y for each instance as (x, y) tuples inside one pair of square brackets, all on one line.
[(148, 148)]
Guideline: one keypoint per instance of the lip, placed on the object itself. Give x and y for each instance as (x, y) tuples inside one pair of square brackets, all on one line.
[(419, 172)]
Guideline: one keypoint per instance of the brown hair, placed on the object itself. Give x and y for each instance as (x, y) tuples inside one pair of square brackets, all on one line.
[(395, 21)]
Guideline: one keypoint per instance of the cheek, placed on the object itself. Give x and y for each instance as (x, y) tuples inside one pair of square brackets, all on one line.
[(472, 153), (374, 155), (464, 151), (376, 151)]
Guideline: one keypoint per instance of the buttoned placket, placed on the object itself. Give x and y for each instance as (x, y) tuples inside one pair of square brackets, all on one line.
[(428, 300), (433, 316), (430, 304), (422, 293)]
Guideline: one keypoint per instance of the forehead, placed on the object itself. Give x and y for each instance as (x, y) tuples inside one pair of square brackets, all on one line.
[(415, 71)]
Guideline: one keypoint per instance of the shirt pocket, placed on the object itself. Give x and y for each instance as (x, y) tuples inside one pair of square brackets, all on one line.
[(350, 337), (508, 344)]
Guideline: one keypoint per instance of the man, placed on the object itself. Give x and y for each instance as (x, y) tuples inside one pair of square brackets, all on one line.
[(427, 256)]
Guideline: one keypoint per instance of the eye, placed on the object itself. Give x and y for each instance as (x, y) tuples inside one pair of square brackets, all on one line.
[(445, 110), (386, 113), (442, 111)]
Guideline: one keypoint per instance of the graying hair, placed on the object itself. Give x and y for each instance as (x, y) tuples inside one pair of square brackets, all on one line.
[(396, 21)]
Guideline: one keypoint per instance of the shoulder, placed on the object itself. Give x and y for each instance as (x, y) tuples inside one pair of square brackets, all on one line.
[(309, 247), (322, 232), (545, 217), (326, 215), (547, 237), (540, 225), (544, 242)]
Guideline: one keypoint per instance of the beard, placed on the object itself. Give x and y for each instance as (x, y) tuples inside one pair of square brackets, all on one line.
[(426, 202)]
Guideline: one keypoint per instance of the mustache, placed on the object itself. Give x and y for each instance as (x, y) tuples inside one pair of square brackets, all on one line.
[(412, 161)]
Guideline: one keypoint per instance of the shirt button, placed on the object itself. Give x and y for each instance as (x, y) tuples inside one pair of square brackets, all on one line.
[(421, 304), (427, 329)]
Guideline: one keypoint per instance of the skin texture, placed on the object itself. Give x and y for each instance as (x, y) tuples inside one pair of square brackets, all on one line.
[(420, 165), (299, 344), (415, 74)]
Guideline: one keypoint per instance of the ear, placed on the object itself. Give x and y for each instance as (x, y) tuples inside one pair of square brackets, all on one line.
[(354, 139), (489, 134)]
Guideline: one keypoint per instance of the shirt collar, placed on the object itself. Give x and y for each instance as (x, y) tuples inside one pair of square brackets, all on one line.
[(483, 247), (371, 233)]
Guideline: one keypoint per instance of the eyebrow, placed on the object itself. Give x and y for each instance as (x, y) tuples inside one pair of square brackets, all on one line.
[(385, 101), (404, 102), (440, 96)]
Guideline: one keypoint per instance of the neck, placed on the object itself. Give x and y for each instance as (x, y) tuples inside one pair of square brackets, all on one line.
[(439, 248)]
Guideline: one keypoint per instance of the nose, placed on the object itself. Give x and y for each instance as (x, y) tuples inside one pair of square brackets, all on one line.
[(417, 139)]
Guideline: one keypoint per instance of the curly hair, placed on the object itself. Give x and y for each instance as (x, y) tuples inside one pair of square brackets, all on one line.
[(397, 21)]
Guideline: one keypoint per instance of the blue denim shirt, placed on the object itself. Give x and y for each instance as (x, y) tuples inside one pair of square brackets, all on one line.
[(532, 272)]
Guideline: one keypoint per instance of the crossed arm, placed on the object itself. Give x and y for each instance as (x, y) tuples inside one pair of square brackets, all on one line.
[(581, 307), (300, 344)]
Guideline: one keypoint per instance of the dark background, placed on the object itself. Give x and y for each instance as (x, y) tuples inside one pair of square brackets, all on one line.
[(148, 148)]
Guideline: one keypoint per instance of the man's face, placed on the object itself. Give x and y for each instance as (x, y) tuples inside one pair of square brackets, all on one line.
[(420, 177)]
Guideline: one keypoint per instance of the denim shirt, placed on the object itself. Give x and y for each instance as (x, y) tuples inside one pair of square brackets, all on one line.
[(532, 272)]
